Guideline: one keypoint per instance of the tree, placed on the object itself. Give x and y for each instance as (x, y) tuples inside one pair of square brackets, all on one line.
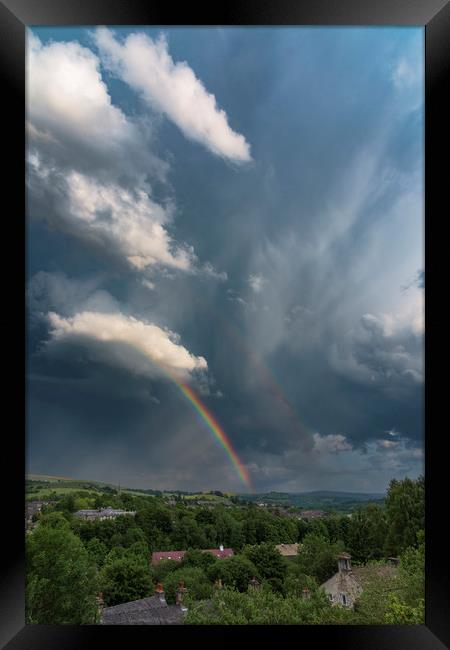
[(196, 582), (367, 533), (261, 606), (61, 577), (97, 550), (163, 568), (406, 605), (197, 558), (67, 502), (296, 581), (398, 613), (405, 506), (267, 560), (236, 571), (371, 605), (124, 579), (318, 557)]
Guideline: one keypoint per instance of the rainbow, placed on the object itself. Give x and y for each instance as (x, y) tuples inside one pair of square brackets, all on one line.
[(215, 428), (211, 422), (207, 417)]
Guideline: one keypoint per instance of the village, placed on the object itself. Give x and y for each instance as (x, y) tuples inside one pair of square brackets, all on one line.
[(151, 566)]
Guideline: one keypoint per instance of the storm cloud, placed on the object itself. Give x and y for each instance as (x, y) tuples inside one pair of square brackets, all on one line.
[(287, 291)]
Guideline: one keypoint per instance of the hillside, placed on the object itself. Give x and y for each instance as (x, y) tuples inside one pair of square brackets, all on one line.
[(318, 500)]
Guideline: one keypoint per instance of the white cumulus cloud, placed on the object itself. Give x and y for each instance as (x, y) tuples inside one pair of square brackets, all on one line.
[(172, 89), (69, 107), (159, 346)]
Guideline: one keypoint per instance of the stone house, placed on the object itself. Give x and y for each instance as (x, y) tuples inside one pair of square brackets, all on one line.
[(348, 583), (103, 513)]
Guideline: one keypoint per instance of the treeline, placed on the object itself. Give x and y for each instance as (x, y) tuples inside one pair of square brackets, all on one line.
[(69, 561)]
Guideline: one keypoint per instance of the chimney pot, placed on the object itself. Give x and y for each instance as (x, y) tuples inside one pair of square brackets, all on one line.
[(180, 593), (160, 592)]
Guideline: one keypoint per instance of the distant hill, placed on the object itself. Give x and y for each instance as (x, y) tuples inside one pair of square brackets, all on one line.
[(39, 486), (327, 500), (362, 496)]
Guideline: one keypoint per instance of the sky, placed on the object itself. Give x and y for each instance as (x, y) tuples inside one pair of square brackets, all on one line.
[(234, 214)]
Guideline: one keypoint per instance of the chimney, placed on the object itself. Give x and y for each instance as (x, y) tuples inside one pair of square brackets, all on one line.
[(306, 593), (100, 603), (344, 565), (181, 591), (159, 591)]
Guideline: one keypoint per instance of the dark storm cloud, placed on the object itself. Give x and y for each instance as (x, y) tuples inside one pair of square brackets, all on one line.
[(312, 350)]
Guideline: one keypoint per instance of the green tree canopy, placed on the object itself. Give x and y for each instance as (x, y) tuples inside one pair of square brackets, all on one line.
[(61, 578), (268, 561), (195, 579), (367, 533), (124, 579), (405, 506), (236, 571), (318, 557)]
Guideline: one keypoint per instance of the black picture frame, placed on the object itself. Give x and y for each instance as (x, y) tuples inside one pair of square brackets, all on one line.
[(15, 15)]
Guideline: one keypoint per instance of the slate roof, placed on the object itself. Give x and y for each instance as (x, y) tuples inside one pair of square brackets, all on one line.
[(146, 611)]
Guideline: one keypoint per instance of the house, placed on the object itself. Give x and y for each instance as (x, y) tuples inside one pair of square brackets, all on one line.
[(220, 552), (33, 508), (146, 611), (288, 550), (348, 583), (103, 513), (312, 514)]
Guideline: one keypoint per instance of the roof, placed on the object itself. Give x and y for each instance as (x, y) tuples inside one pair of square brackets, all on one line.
[(310, 514), (146, 611), (352, 582), (104, 512), (363, 573), (167, 555), (288, 549), (33, 507), (157, 556)]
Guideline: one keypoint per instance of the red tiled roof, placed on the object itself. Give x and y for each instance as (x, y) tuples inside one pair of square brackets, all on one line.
[(157, 556), (167, 555)]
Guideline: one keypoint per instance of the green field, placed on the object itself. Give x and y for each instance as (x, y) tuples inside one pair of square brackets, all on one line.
[(42, 487)]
